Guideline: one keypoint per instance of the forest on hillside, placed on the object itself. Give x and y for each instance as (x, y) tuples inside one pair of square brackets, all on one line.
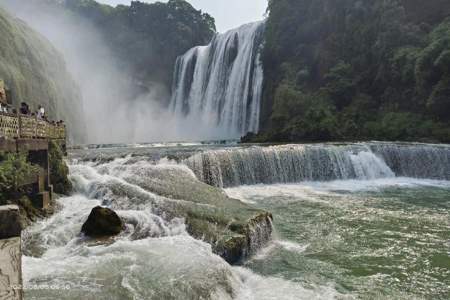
[(146, 38), (356, 70)]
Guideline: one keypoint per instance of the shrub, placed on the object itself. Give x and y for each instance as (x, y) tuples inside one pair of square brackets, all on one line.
[(14, 171), (59, 171)]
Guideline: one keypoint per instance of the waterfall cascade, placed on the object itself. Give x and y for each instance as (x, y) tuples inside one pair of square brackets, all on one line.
[(296, 163), (220, 84)]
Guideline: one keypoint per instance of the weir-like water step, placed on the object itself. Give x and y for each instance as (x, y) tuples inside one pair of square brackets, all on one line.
[(321, 162)]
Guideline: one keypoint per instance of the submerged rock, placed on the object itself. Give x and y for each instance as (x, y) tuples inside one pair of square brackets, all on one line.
[(102, 222)]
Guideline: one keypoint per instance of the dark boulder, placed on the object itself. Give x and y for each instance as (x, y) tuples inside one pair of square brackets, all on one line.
[(248, 138), (102, 222)]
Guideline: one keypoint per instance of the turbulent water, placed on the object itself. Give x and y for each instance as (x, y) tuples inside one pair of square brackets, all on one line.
[(297, 163), (373, 239), (355, 225), (219, 85)]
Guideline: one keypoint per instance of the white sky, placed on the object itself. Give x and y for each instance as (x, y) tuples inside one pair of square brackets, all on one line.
[(228, 13)]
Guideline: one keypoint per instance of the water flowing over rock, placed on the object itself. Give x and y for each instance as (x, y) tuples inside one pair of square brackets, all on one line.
[(172, 201), (417, 161), (297, 163), (220, 84)]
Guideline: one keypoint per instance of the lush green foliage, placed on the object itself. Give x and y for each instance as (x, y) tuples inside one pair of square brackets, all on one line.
[(14, 170), (348, 69)]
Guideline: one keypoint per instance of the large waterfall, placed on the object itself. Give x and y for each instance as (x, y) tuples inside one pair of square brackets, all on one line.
[(219, 85), (296, 163)]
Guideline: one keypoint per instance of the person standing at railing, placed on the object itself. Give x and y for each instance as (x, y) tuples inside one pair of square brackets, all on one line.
[(3, 108), (24, 109), (3, 98), (40, 112)]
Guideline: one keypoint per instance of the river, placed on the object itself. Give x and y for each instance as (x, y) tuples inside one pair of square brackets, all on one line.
[(351, 221)]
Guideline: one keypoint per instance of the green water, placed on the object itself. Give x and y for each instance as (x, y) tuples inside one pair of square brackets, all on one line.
[(380, 240)]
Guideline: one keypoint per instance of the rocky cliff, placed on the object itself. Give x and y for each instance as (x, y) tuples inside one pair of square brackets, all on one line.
[(35, 73), (144, 39)]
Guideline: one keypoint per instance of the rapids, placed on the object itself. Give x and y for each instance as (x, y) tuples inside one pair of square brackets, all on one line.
[(350, 222)]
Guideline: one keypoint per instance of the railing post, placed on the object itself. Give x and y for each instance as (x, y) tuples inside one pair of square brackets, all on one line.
[(20, 125), (35, 127)]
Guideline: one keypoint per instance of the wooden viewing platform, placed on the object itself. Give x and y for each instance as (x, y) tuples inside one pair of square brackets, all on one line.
[(31, 135), (17, 126), (28, 133)]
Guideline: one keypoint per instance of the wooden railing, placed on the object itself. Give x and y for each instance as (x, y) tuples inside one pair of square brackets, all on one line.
[(15, 126)]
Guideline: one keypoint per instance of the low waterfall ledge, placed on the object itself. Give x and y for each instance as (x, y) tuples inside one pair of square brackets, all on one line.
[(234, 229)]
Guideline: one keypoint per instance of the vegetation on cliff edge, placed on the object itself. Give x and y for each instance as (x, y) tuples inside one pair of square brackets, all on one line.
[(59, 171)]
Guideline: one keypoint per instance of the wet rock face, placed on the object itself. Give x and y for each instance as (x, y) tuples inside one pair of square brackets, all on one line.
[(102, 222), (234, 240), (247, 238)]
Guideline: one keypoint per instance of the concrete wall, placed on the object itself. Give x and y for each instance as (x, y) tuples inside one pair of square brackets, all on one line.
[(10, 254), (9, 221)]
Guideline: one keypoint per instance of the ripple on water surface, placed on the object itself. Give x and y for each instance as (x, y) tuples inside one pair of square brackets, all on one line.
[(378, 239)]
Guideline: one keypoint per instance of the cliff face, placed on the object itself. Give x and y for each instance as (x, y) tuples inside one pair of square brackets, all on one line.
[(352, 69), (144, 38), (35, 73)]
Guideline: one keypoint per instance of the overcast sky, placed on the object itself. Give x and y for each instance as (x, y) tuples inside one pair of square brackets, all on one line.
[(228, 13)]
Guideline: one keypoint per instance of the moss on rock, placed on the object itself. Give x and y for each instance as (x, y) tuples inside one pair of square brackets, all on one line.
[(234, 229), (59, 171)]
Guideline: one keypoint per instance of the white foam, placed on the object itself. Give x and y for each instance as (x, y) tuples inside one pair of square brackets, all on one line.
[(307, 190), (274, 245), (378, 184), (292, 246), (63, 227), (369, 166), (153, 258), (257, 287)]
